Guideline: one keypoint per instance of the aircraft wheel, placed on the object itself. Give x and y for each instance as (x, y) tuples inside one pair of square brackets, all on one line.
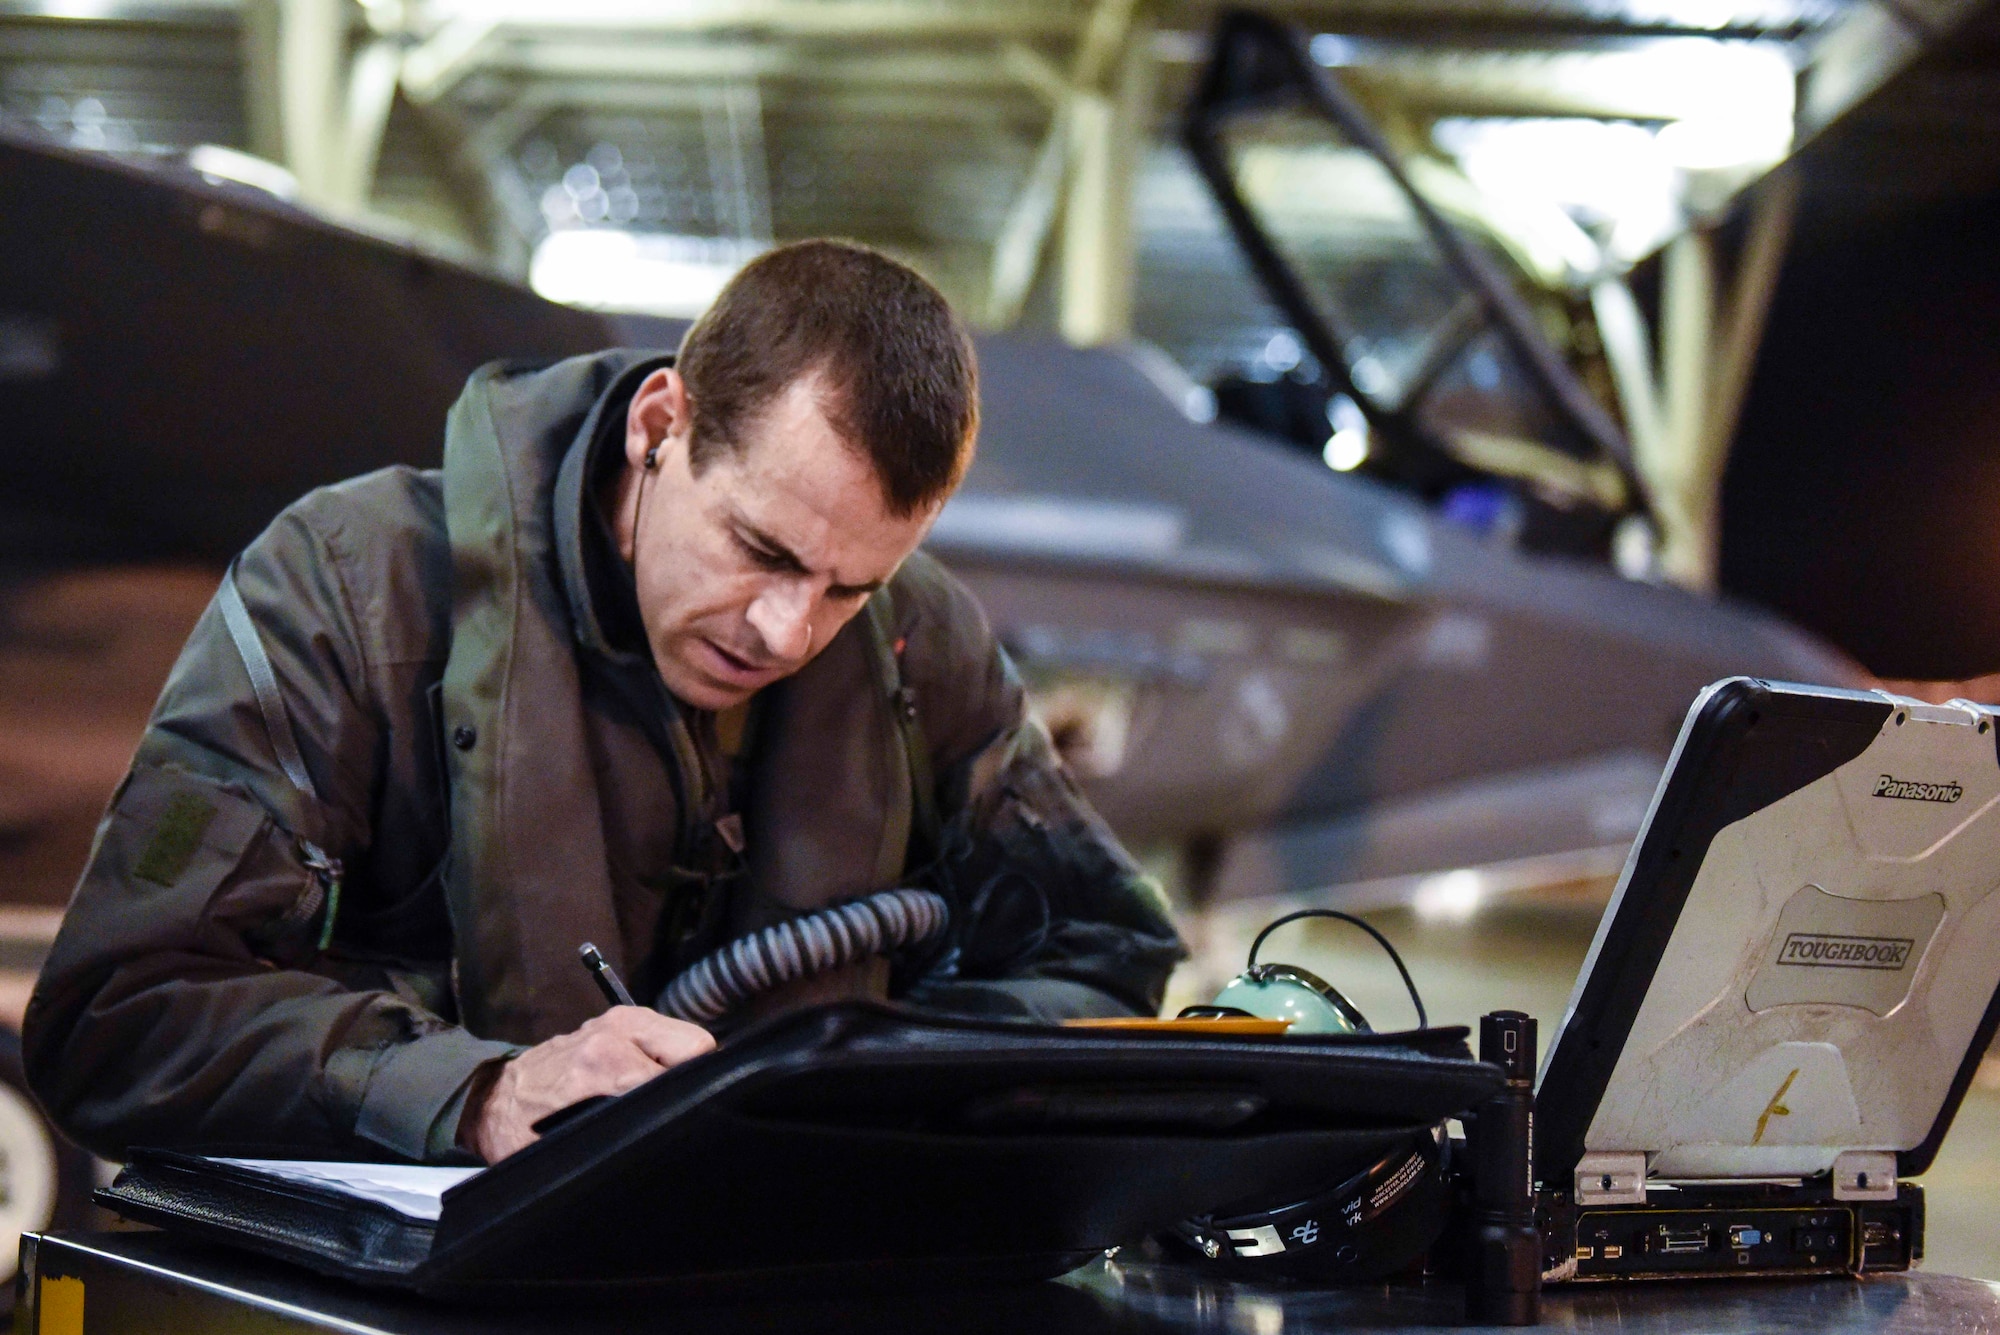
[(44, 1180)]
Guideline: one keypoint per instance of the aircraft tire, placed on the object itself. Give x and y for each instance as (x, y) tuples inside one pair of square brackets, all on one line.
[(45, 1182)]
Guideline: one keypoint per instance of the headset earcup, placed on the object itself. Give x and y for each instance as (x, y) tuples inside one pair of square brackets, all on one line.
[(1381, 1222)]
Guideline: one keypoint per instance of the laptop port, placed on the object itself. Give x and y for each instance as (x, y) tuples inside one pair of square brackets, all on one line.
[(1680, 1241), (1742, 1235)]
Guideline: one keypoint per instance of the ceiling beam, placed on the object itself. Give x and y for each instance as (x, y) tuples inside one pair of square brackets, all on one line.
[(1108, 114), (908, 19), (371, 88), (1035, 72), (1024, 233), (437, 65), (1611, 85), (854, 106), (1478, 23), (712, 62)]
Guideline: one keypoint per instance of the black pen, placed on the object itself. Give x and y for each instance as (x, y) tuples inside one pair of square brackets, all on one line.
[(605, 976)]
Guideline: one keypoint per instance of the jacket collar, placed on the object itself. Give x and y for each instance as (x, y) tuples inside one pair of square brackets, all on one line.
[(592, 575)]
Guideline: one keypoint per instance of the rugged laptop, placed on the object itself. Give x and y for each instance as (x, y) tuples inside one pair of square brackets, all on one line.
[(1787, 996)]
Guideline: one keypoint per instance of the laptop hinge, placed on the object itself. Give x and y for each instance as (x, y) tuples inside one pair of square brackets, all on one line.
[(1611, 1179), (1864, 1175)]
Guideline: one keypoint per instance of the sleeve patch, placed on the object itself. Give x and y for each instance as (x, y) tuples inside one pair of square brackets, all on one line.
[(176, 839)]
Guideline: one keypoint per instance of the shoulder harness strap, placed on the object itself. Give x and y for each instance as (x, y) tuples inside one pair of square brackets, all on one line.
[(264, 681), (284, 740)]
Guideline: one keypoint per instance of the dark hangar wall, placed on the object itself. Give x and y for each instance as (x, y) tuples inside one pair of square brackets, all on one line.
[(1863, 494)]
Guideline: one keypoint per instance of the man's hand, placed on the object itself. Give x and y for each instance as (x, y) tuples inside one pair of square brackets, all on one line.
[(618, 1050)]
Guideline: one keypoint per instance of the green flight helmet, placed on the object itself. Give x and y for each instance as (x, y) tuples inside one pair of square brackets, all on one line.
[(1287, 992)]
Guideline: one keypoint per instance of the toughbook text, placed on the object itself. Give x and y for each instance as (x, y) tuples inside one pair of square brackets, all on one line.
[(1828, 951)]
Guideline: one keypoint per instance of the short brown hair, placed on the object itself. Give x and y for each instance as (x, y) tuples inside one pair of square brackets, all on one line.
[(901, 379)]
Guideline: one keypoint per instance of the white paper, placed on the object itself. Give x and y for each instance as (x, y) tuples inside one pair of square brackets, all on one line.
[(410, 1190)]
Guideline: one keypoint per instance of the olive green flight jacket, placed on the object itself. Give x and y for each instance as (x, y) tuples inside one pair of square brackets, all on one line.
[(317, 966)]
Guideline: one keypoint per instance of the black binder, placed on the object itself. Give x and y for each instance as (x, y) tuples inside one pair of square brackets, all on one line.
[(856, 1142)]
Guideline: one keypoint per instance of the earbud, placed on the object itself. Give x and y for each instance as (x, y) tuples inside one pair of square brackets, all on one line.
[(652, 458)]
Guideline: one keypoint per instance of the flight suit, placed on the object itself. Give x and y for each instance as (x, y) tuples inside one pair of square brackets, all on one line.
[(307, 945)]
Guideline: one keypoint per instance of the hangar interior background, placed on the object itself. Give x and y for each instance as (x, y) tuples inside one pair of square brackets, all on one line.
[(1770, 223), (1022, 153)]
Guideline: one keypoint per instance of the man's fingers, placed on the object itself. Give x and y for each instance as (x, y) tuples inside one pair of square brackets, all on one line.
[(621, 1050), (666, 1040), (610, 1054)]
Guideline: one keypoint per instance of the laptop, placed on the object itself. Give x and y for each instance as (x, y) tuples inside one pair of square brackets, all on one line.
[(1788, 994)]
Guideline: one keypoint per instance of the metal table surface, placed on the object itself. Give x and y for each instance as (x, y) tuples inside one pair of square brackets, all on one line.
[(114, 1283)]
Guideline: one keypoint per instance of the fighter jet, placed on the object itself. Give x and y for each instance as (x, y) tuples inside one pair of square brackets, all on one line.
[(1312, 681), (1304, 677)]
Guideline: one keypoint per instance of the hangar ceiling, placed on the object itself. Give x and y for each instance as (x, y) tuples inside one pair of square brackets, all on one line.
[(1022, 152), (984, 139)]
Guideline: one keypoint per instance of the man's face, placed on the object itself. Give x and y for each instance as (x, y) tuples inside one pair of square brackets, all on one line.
[(749, 569)]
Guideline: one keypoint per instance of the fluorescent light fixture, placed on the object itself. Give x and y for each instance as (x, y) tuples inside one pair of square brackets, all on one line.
[(1724, 143), (645, 273), (1690, 13), (1695, 106), (1608, 174)]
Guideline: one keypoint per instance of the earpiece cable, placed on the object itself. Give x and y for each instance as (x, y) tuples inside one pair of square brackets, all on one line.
[(1423, 1018)]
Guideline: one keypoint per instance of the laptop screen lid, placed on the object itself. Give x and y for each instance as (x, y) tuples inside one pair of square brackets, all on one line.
[(1802, 955)]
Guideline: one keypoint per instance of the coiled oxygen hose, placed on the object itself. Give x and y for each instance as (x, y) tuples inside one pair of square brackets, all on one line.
[(831, 938)]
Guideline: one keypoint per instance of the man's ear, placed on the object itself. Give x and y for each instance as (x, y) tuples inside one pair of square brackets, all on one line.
[(658, 416)]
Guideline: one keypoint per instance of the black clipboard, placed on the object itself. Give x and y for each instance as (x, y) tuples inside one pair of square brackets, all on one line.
[(860, 1142)]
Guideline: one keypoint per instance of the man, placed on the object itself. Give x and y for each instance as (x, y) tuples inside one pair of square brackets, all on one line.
[(651, 662)]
